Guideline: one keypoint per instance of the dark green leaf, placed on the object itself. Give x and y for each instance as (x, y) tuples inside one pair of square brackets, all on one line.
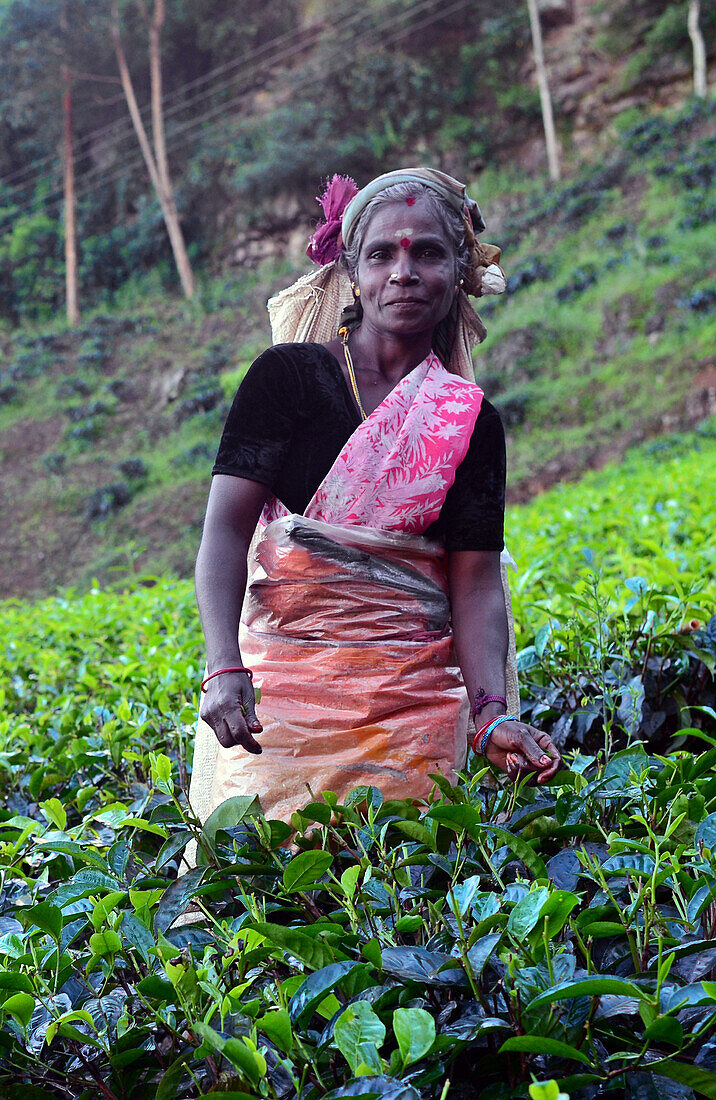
[(171, 847), (375, 1088), (315, 953), (419, 965), (16, 982), (539, 1044), (228, 815), (533, 863), (315, 987), (169, 1084), (480, 951), (588, 987), (46, 917), (700, 1080), (176, 897)]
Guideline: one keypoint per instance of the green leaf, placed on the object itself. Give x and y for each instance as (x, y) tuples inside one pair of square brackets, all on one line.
[(10, 980), (249, 1062), (665, 1029), (228, 815), (538, 1044), (171, 847), (21, 1006), (415, 1031), (418, 832), (305, 869), (315, 987), (349, 880), (315, 953), (526, 913), (67, 1018), (55, 813), (46, 917), (461, 897), (458, 817), (557, 910), (176, 897), (546, 1090), (169, 1084), (700, 1080), (356, 1026), (588, 987), (522, 850), (706, 832), (276, 1026)]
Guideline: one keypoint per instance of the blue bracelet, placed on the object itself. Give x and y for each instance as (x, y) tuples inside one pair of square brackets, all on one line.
[(492, 726)]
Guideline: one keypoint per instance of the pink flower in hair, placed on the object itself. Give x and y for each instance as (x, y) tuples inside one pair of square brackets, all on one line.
[(326, 243)]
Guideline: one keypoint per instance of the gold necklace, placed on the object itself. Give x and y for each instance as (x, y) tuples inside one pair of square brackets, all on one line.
[(352, 374)]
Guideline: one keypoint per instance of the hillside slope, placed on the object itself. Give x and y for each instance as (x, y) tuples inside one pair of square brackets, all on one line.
[(605, 338)]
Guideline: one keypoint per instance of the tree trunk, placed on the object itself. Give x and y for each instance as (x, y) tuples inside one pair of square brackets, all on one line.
[(699, 50), (545, 98), (155, 159), (71, 295)]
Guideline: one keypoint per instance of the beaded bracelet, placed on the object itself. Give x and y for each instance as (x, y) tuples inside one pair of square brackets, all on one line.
[(486, 731), (235, 668)]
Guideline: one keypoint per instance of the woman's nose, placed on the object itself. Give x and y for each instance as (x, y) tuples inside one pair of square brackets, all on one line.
[(403, 269)]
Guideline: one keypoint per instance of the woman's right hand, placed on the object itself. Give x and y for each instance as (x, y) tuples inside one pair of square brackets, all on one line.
[(229, 707)]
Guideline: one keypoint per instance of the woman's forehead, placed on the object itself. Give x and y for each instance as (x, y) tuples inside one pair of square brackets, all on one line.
[(400, 219)]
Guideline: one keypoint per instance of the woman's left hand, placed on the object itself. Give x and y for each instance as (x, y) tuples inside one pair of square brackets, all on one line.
[(520, 749)]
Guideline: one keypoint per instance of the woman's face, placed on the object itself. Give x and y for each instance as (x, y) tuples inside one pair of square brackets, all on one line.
[(406, 270)]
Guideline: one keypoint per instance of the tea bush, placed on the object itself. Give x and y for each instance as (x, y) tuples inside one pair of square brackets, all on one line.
[(469, 946)]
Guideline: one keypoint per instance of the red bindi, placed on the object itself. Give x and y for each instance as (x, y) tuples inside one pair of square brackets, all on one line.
[(410, 200), (405, 242)]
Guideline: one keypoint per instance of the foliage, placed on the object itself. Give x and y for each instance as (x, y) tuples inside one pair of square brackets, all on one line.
[(491, 937)]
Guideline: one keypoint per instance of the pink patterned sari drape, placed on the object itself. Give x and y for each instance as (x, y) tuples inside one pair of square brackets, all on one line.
[(346, 622)]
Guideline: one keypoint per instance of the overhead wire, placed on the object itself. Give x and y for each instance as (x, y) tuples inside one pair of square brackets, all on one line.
[(252, 64), (338, 54), (185, 130), (118, 128)]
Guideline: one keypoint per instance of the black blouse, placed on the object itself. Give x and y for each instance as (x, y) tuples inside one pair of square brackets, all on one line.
[(292, 415)]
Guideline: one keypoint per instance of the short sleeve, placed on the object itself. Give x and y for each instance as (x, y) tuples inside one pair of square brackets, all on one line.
[(473, 515), (260, 427)]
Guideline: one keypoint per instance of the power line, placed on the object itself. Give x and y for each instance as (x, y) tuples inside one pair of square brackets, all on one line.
[(120, 128), (186, 130), (251, 64)]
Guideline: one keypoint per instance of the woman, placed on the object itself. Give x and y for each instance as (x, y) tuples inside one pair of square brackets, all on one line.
[(376, 466)]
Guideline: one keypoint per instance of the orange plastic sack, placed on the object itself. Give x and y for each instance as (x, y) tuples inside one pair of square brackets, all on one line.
[(347, 631)]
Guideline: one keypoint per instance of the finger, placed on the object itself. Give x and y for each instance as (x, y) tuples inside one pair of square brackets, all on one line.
[(244, 736), (248, 700), (535, 755), (550, 750), (223, 734)]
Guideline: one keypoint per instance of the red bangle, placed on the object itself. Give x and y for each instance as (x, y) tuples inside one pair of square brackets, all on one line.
[(235, 668), (479, 733)]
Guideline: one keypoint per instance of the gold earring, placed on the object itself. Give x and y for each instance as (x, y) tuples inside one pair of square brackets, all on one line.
[(356, 290)]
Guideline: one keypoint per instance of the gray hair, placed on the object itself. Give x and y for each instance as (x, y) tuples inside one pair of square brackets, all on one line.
[(449, 219)]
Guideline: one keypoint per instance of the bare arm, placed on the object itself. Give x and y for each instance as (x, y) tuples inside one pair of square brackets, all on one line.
[(481, 641), (232, 513)]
